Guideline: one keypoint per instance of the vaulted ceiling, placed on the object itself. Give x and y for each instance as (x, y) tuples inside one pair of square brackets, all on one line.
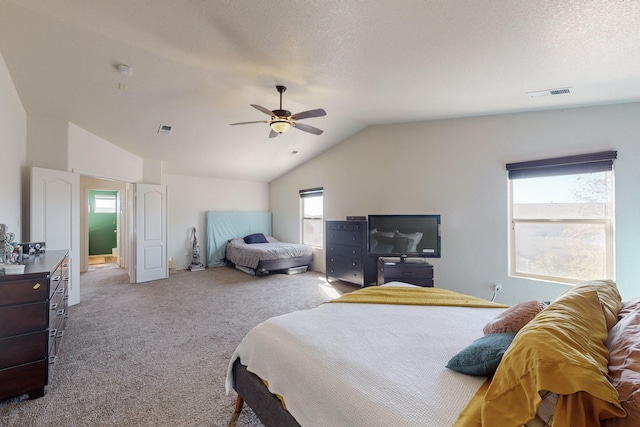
[(198, 65)]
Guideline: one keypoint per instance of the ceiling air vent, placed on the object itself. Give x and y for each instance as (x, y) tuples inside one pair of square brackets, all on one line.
[(164, 129), (550, 92)]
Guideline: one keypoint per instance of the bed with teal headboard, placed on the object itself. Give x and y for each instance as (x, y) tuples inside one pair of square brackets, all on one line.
[(230, 228)]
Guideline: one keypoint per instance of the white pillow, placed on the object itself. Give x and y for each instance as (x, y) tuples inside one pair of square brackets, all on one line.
[(414, 239)]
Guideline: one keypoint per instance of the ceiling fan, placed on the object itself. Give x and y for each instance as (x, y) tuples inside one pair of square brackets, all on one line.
[(282, 120)]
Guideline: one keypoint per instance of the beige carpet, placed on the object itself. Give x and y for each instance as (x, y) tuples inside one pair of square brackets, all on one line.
[(156, 354)]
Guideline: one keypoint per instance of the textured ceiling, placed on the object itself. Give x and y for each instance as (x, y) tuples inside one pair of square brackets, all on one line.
[(197, 65)]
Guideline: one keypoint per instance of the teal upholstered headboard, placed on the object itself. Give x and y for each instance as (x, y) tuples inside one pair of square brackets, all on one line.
[(223, 226)]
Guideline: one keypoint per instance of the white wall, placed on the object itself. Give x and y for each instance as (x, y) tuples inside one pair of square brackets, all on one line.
[(89, 154), (190, 197), (47, 142), (457, 168), (13, 153)]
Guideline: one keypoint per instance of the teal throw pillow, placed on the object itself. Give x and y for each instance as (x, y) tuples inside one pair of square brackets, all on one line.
[(483, 355)]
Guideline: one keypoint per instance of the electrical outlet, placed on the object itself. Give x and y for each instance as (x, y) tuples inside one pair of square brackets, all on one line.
[(497, 287)]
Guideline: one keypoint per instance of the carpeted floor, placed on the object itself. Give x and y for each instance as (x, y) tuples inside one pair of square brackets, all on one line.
[(156, 353)]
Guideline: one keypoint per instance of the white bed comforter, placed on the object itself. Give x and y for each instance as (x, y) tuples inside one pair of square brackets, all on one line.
[(366, 364), (243, 254)]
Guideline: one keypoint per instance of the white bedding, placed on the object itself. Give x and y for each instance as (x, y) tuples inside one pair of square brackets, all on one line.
[(249, 255), (366, 364)]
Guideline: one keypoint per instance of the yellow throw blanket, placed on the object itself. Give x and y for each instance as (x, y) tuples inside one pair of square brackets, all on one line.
[(562, 351), (414, 296)]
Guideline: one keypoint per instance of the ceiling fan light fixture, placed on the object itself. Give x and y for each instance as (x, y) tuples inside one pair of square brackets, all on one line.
[(280, 125), (282, 120)]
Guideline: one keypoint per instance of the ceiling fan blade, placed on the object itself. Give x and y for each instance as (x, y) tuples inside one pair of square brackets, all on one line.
[(246, 123), (273, 134), (264, 110), (308, 128), (311, 113)]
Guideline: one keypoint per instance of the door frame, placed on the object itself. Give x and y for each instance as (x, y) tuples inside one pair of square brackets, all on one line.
[(96, 183)]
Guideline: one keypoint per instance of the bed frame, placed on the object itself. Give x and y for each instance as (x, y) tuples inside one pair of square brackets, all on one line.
[(271, 265), (267, 407)]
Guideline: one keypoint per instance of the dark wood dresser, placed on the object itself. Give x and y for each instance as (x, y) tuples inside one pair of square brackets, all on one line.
[(33, 315), (416, 271), (346, 252)]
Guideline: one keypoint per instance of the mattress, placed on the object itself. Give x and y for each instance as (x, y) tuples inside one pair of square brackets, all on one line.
[(250, 255), (351, 376)]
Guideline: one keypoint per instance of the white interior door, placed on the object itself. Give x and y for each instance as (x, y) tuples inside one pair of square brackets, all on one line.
[(55, 212), (150, 233)]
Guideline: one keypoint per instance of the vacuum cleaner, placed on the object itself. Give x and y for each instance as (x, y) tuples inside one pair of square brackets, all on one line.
[(195, 265)]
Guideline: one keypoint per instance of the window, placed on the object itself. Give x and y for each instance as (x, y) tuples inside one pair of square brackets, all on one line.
[(105, 203), (311, 209), (561, 213)]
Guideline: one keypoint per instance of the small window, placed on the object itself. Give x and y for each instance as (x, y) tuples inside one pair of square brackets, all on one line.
[(105, 203), (561, 213), (311, 209)]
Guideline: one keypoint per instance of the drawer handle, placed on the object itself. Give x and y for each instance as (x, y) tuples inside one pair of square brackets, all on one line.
[(66, 315), (60, 312), (52, 333), (60, 334), (52, 359), (60, 290), (53, 306), (56, 278), (66, 279), (408, 273)]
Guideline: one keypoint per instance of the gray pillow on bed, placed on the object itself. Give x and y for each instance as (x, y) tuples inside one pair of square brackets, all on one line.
[(483, 355), (255, 238)]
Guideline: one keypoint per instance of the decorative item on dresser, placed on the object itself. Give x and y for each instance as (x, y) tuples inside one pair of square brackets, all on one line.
[(346, 250), (416, 271), (33, 315)]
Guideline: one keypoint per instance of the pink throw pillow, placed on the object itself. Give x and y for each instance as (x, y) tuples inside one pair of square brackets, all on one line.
[(623, 343), (514, 318), (629, 307)]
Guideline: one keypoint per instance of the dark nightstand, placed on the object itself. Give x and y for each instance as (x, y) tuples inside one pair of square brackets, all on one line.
[(416, 271)]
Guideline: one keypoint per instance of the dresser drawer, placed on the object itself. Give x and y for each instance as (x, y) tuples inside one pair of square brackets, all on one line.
[(56, 318), (407, 270), (342, 226), (344, 251), (22, 319), (59, 277), (21, 349), (344, 263), (28, 378), (57, 306), (22, 291), (419, 274), (351, 238), (345, 274), (55, 337)]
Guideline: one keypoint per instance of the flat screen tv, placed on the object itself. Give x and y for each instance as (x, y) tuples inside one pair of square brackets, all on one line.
[(404, 235)]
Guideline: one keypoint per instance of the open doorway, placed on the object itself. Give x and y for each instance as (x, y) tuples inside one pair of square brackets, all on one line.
[(103, 228), (103, 223)]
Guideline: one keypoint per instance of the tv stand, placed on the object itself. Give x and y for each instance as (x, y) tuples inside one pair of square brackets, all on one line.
[(416, 271)]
